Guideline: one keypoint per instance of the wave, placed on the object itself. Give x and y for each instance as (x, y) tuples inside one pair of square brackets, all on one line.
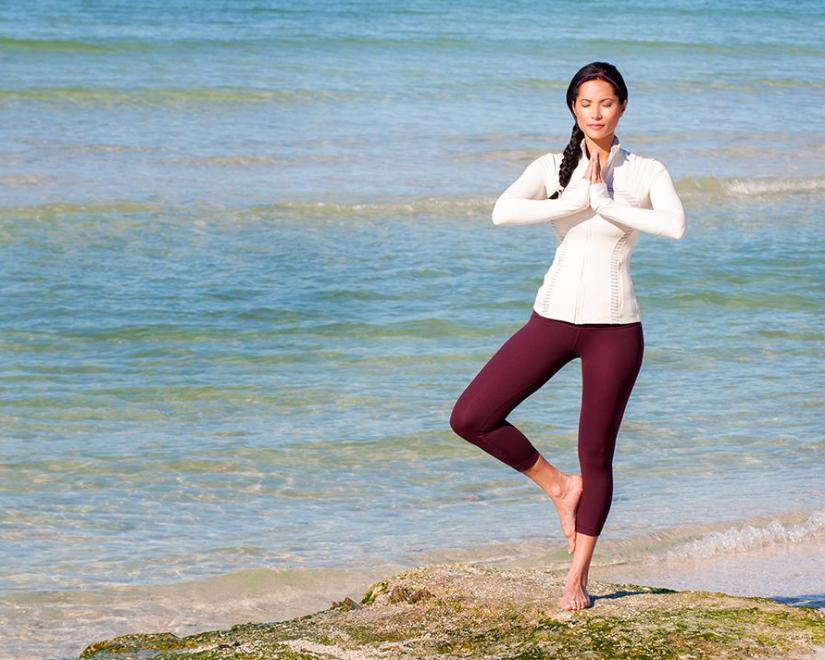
[(52, 45), (696, 541), (760, 48), (342, 41), (98, 96), (751, 187), (64, 210), (174, 96), (21, 180), (693, 542), (708, 540), (241, 43), (106, 97), (696, 192), (747, 537)]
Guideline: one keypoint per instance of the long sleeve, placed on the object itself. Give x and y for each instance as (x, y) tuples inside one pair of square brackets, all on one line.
[(525, 201), (666, 218)]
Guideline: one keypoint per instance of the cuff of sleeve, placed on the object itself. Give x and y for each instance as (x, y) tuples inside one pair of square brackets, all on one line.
[(599, 195)]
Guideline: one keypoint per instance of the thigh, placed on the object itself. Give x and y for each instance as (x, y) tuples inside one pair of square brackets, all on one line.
[(611, 360), (520, 366)]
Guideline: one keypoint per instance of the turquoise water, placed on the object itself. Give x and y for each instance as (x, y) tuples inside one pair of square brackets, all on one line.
[(247, 267)]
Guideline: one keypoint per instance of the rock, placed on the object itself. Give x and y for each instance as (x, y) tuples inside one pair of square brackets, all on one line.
[(460, 610), (346, 604)]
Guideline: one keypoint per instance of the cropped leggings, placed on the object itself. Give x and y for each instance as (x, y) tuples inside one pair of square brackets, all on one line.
[(611, 357)]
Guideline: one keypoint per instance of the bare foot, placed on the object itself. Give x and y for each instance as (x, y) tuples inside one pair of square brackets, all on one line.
[(575, 596), (583, 583), (566, 500)]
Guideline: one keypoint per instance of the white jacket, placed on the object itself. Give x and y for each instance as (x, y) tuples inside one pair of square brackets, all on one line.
[(596, 226)]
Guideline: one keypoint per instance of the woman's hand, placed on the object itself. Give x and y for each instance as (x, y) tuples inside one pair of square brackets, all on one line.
[(594, 169), (598, 188), (577, 192)]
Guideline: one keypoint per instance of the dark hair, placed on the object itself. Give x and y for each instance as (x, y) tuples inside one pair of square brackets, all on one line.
[(572, 152)]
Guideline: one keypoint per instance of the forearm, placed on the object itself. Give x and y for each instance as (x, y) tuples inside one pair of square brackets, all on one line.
[(666, 218), (513, 210)]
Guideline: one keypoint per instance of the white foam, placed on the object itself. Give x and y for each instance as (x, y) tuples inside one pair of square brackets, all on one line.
[(750, 187), (748, 537)]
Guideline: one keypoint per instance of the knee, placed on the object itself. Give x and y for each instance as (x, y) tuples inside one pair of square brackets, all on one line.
[(464, 421)]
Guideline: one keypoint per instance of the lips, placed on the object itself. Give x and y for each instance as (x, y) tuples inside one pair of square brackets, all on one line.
[(596, 125)]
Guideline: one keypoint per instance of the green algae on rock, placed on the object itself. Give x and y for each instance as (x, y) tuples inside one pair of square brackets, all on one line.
[(463, 610)]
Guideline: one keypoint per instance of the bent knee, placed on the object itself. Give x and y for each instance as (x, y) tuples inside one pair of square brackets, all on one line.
[(465, 421)]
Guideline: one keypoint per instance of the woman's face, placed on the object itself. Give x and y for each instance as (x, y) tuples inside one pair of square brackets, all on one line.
[(597, 109)]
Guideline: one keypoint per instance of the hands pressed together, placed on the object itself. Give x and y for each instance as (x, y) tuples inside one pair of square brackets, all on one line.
[(590, 189)]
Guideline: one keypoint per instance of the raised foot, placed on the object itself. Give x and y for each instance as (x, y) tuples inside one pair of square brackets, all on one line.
[(566, 500)]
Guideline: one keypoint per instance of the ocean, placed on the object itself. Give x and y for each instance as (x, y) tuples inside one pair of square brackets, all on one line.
[(248, 266)]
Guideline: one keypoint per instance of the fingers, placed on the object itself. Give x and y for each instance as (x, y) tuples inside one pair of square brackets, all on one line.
[(596, 174), (593, 163), (593, 173)]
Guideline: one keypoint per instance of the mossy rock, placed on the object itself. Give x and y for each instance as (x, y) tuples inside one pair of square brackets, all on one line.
[(465, 611)]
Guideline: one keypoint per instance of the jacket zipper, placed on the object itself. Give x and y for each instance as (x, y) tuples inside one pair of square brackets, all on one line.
[(577, 314), (577, 310)]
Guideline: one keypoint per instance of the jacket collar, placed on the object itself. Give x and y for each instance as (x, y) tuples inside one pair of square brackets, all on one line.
[(614, 149)]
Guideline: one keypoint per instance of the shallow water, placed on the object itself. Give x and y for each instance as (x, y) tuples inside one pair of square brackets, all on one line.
[(248, 267)]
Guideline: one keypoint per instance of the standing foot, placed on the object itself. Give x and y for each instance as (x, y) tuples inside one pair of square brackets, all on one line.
[(575, 596)]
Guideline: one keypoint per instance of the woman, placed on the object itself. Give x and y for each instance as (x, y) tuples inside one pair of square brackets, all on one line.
[(598, 197)]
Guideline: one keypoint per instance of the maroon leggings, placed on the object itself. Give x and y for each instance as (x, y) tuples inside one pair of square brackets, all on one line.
[(611, 357)]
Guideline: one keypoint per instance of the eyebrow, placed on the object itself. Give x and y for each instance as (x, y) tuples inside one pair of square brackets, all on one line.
[(606, 98)]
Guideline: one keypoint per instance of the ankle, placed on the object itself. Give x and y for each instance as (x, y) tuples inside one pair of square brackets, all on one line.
[(576, 576), (557, 485)]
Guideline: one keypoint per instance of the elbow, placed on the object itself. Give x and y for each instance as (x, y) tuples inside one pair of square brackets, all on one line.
[(498, 217), (679, 229)]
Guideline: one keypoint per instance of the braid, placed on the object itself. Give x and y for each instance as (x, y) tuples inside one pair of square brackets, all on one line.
[(572, 153)]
